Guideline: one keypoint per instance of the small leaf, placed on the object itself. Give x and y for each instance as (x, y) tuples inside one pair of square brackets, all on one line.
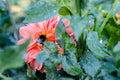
[(64, 11), (90, 63), (29, 71), (95, 46)]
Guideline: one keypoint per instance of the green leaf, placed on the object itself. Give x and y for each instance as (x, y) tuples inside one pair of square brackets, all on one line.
[(69, 61), (51, 59), (51, 64), (41, 10), (42, 56), (78, 24), (12, 57), (51, 46), (48, 54), (90, 63), (63, 38), (64, 11), (95, 46), (70, 64)]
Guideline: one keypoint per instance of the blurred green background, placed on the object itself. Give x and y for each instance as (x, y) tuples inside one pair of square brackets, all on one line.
[(11, 55)]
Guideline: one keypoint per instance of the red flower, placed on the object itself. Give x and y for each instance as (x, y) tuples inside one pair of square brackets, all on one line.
[(40, 32)]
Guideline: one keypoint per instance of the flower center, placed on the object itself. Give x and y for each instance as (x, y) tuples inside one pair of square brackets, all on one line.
[(41, 39)]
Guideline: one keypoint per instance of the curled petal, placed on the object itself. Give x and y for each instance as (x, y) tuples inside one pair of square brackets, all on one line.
[(42, 70), (22, 40), (59, 67), (69, 30), (40, 66), (33, 64), (34, 67), (25, 33)]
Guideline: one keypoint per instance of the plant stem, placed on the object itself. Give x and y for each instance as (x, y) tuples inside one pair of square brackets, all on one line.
[(108, 16), (16, 34)]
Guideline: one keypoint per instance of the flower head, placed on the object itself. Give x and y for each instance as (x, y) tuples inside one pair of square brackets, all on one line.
[(39, 33)]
